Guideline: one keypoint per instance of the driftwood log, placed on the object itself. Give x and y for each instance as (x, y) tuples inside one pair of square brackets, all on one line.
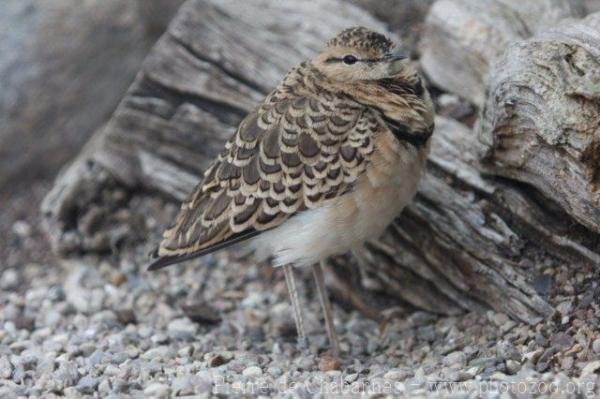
[(468, 242), (463, 38), (541, 122)]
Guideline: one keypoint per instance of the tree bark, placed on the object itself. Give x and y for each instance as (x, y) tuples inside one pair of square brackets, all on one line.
[(468, 242), (464, 37), (541, 122)]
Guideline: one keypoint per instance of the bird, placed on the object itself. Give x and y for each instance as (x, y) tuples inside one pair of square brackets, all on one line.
[(325, 163)]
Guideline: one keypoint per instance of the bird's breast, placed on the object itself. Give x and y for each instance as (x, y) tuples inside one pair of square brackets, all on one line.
[(386, 187)]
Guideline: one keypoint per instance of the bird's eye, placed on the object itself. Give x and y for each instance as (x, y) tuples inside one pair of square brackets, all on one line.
[(349, 59)]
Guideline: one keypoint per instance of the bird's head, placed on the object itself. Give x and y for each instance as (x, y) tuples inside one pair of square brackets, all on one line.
[(359, 54)]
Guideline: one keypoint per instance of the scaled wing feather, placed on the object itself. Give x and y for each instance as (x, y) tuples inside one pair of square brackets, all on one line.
[(293, 153)]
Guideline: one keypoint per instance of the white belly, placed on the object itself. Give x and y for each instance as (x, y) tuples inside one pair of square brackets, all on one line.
[(345, 222)]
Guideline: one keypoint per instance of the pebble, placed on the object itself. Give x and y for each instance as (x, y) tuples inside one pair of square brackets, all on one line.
[(506, 350), (126, 316), (66, 375), (252, 371), (182, 328), (157, 390), (329, 363), (133, 340), (201, 313), (455, 359), (159, 338), (397, 375), (182, 386), (6, 368), (512, 367), (561, 341), (10, 279), (274, 371), (216, 361), (87, 385), (163, 352), (590, 368)]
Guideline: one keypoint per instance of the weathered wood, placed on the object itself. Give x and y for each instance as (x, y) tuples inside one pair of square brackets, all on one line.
[(464, 37), (467, 242), (541, 121)]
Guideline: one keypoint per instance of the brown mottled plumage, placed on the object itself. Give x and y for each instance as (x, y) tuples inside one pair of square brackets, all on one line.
[(328, 159)]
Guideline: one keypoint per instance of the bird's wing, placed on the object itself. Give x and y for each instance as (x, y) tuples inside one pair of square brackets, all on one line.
[(289, 155)]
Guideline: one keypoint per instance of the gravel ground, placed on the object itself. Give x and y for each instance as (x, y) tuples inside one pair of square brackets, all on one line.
[(102, 326)]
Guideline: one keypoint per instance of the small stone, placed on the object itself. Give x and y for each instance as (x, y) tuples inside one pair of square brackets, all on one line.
[(104, 388), (305, 363), (506, 327), (500, 319), (201, 313), (21, 228), (533, 356), (565, 308), (561, 341), (67, 375), (87, 385), (596, 345), (159, 338), (182, 386), (23, 322), (163, 352), (45, 367), (545, 359), (56, 293), (112, 370), (505, 350), (6, 368), (118, 278), (566, 363), (483, 362), (426, 333), (71, 392), (216, 361), (126, 316), (350, 378), (97, 357), (52, 318), (543, 284), (274, 371), (512, 367), (186, 351), (590, 368), (157, 390), (182, 329), (252, 371), (469, 374), (396, 375), (446, 100), (132, 352), (10, 279), (455, 359), (329, 363)]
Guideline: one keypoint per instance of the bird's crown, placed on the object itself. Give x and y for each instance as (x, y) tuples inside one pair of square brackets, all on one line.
[(362, 38)]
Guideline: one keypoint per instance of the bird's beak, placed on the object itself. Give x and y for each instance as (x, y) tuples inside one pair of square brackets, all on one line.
[(395, 56)]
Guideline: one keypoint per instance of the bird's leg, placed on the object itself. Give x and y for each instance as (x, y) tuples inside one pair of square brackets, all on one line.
[(291, 284), (317, 270)]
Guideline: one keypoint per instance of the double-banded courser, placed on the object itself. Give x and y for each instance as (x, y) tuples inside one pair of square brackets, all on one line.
[(324, 163)]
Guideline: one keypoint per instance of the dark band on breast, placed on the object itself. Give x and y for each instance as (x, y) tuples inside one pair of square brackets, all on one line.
[(405, 134)]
